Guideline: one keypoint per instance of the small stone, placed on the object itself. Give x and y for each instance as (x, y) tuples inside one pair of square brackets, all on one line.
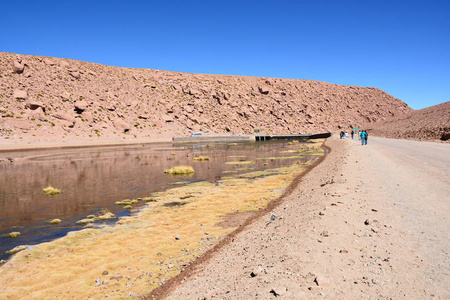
[(20, 95), (256, 271), (368, 222), (209, 295), (119, 277), (322, 281), (278, 291), (321, 213), (343, 251), (98, 282), (177, 237), (105, 272), (375, 210), (324, 233)]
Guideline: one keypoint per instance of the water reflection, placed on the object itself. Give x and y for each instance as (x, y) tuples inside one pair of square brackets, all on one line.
[(95, 178)]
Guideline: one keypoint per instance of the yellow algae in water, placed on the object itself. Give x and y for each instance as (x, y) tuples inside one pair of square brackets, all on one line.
[(124, 202), (247, 162), (52, 191), (105, 215), (178, 170), (201, 158), (14, 234), (148, 199), (55, 221)]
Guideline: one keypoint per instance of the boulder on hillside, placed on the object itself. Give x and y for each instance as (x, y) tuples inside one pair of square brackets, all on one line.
[(122, 125), (64, 116), (264, 90), (49, 62), (18, 65), (80, 106), (20, 95), (75, 73), (33, 105)]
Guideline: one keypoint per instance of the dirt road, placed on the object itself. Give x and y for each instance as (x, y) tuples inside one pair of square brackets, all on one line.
[(370, 222)]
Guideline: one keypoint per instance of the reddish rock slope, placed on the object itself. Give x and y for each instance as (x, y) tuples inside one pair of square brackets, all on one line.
[(431, 123), (54, 100)]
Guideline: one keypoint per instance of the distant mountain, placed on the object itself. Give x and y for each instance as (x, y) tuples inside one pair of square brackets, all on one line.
[(431, 123), (45, 99)]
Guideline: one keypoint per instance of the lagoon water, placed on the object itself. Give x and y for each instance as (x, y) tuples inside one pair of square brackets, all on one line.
[(93, 179)]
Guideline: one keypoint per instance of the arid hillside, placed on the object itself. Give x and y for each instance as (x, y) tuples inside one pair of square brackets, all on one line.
[(431, 123), (46, 99)]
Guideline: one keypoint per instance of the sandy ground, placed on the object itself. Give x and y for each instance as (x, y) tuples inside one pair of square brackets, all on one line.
[(370, 222)]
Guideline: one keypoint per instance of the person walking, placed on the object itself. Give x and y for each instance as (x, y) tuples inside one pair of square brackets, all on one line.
[(353, 133), (366, 137), (363, 138)]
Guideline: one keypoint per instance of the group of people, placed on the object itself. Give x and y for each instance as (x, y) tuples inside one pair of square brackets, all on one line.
[(363, 136)]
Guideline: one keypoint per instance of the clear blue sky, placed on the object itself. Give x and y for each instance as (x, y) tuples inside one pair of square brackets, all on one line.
[(401, 47)]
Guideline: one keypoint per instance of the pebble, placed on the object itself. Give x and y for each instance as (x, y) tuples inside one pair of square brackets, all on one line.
[(322, 281), (177, 237), (278, 291), (256, 271), (105, 272), (368, 222)]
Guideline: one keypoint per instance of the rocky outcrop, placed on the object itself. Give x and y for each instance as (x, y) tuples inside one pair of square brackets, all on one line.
[(431, 123), (81, 100)]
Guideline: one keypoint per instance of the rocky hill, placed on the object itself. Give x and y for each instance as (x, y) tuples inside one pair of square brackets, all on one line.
[(45, 99), (431, 123)]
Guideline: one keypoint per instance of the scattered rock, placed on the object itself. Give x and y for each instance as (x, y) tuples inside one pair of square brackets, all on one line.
[(33, 105), (322, 281), (20, 95), (105, 272), (278, 291), (177, 237), (18, 66), (368, 222), (256, 271), (118, 277), (80, 106), (122, 125)]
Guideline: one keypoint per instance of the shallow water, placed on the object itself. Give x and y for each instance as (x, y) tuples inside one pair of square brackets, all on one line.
[(93, 179)]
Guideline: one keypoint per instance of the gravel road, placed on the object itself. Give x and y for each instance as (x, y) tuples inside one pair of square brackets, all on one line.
[(370, 222)]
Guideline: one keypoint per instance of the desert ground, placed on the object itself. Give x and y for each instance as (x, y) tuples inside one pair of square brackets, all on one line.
[(370, 222)]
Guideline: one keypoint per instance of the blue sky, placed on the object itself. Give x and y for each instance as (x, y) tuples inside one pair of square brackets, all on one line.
[(401, 47)]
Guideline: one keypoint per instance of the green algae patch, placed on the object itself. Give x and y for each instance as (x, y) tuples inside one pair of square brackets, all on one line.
[(246, 162), (280, 157), (148, 199), (51, 191), (14, 234), (146, 248), (104, 215), (229, 172), (180, 170), (201, 158)]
